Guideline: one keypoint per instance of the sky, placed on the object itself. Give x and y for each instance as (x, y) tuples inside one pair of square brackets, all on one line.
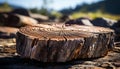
[(53, 4)]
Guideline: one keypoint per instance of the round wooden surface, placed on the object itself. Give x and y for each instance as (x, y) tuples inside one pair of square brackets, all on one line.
[(53, 33)]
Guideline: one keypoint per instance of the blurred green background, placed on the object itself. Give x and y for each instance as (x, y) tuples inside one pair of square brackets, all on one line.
[(101, 8)]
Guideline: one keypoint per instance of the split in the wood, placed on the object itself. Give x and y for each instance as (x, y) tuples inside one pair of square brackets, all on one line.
[(60, 43)]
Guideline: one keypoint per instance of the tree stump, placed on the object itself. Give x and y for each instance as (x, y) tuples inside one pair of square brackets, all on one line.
[(63, 43)]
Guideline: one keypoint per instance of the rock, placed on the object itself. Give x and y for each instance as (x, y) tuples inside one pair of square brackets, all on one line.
[(21, 11), (103, 22), (64, 18), (116, 27), (80, 21), (70, 22), (117, 24)]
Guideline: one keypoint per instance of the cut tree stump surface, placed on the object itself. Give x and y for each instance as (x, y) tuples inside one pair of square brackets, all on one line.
[(60, 43)]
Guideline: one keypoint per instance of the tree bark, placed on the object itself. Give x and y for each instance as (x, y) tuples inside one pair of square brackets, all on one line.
[(63, 43)]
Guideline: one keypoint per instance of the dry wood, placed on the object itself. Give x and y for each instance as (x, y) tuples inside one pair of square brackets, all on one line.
[(19, 20), (39, 17), (8, 29), (63, 43), (101, 42), (8, 32)]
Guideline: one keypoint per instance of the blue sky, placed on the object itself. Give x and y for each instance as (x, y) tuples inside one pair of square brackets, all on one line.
[(54, 4)]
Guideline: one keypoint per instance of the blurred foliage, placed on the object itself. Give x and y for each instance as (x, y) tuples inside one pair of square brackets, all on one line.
[(34, 10), (109, 6), (112, 6), (56, 14), (5, 7), (94, 15), (44, 8), (104, 8), (42, 11)]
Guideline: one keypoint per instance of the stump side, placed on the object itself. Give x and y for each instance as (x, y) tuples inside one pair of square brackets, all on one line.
[(58, 44)]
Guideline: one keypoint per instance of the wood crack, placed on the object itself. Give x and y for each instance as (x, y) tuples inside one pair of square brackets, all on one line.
[(60, 43)]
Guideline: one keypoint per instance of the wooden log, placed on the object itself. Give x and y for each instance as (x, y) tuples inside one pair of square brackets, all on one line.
[(39, 18), (8, 29), (8, 32), (63, 43), (17, 20), (80, 21)]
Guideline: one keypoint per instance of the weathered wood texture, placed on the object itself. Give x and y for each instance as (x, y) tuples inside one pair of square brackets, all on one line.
[(39, 17), (17, 20), (60, 43)]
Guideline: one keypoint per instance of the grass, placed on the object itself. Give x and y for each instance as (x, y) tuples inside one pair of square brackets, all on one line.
[(94, 15)]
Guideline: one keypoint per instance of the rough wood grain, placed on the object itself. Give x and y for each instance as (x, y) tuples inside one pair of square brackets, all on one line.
[(101, 42), (60, 43)]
